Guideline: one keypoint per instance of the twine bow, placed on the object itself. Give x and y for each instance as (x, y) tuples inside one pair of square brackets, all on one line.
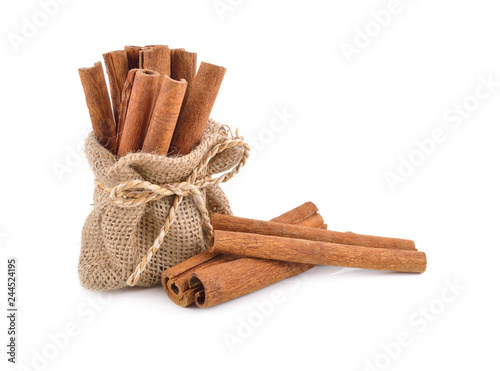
[(133, 193)]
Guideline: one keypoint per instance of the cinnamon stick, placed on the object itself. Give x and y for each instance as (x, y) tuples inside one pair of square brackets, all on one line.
[(164, 117), (223, 282), (133, 56), (316, 252), (126, 93), (140, 106), (156, 58), (97, 97), (183, 66), (236, 224), (196, 111), (117, 69), (175, 280)]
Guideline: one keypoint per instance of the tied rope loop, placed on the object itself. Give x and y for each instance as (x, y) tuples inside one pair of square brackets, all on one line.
[(133, 193)]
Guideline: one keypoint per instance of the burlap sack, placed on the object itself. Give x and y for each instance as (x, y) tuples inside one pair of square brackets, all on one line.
[(116, 237)]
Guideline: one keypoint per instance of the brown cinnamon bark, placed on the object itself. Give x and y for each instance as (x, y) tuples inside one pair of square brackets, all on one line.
[(194, 116), (223, 282), (126, 93), (313, 221), (140, 106), (183, 66), (117, 69), (175, 280), (164, 117), (156, 58), (97, 97), (236, 224), (133, 56), (317, 252)]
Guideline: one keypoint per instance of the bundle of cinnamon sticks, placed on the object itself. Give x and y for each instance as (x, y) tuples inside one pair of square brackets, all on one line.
[(245, 255), (160, 103)]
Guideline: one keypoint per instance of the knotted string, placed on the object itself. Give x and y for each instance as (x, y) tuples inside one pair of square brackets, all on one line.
[(133, 193)]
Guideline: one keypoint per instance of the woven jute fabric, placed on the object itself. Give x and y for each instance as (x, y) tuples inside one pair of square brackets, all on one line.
[(115, 239)]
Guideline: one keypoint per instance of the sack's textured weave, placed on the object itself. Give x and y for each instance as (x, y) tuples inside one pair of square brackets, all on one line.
[(116, 238)]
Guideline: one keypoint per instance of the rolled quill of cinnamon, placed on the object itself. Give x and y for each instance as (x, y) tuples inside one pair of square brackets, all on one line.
[(164, 117), (196, 110), (126, 93), (97, 97), (117, 69), (316, 252), (175, 280), (183, 66), (223, 282), (133, 56), (156, 58), (140, 106), (237, 224)]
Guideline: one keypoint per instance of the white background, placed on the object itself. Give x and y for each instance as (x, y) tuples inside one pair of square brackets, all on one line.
[(353, 122)]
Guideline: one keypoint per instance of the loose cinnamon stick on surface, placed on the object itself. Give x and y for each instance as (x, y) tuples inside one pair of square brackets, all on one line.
[(236, 224), (133, 56), (223, 282), (316, 252), (183, 66), (187, 264), (164, 117), (175, 280), (156, 58), (101, 115), (117, 69), (196, 111), (140, 106)]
